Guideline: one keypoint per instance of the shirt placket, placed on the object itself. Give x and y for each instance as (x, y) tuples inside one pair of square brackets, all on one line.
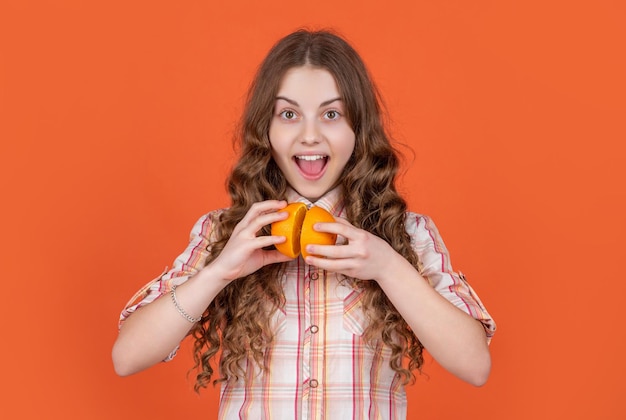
[(313, 346)]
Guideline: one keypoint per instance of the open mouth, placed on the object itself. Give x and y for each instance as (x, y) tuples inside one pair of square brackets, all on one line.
[(311, 166)]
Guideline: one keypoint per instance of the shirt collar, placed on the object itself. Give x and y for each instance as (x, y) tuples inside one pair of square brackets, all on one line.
[(332, 201)]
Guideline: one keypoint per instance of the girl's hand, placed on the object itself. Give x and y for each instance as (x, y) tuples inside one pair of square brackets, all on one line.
[(244, 253), (365, 256)]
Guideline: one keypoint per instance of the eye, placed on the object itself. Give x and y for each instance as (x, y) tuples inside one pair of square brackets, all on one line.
[(332, 115), (288, 114)]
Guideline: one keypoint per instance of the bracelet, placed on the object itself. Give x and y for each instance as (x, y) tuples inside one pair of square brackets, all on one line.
[(181, 310)]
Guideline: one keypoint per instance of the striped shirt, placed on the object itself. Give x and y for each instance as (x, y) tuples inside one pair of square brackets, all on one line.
[(320, 366)]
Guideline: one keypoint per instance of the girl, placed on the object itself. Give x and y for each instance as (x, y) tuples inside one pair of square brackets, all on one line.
[(336, 335)]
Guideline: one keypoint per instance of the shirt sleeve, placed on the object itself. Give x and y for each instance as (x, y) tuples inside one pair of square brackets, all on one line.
[(436, 267), (192, 260)]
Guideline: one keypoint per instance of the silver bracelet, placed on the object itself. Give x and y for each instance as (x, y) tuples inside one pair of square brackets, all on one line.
[(181, 310)]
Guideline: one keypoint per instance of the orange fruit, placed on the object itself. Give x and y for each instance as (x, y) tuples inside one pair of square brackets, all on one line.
[(290, 228), (298, 229), (310, 236)]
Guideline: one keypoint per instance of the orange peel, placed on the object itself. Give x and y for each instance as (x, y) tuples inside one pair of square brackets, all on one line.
[(298, 229)]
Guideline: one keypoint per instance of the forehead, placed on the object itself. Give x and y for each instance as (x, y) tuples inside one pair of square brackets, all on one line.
[(308, 82)]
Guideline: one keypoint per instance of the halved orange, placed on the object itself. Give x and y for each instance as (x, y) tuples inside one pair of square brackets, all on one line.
[(310, 236), (298, 229), (290, 228)]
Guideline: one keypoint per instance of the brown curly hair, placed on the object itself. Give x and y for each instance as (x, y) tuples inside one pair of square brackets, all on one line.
[(237, 321)]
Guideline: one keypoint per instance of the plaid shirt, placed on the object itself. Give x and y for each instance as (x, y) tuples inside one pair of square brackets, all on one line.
[(320, 367)]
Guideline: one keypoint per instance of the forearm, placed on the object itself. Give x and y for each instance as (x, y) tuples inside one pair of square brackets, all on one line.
[(455, 339), (153, 331)]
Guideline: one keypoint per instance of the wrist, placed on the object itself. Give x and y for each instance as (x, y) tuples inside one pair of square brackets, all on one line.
[(396, 268), (215, 275)]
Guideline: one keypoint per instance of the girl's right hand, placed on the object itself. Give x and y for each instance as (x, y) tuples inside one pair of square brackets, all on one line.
[(244, 253)]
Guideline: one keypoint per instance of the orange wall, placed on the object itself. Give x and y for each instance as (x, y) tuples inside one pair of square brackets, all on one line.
[(115, 125)]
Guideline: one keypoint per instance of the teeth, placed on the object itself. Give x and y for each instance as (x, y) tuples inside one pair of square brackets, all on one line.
[(311, 157)]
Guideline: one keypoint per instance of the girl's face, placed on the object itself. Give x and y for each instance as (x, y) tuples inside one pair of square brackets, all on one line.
[(310, 136)]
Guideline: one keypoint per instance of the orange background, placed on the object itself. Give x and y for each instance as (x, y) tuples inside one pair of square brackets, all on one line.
[(115, 127)]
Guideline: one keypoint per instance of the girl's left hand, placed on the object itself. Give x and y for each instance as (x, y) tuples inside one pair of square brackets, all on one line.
[(365, 256)]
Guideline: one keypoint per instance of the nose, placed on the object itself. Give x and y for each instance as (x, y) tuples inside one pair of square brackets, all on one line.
[(310, 132)]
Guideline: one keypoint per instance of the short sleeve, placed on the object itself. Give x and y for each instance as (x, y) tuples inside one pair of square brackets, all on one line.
[(192, 260), (436, 267)]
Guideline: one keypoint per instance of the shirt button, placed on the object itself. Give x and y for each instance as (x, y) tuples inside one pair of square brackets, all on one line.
[(314, 275), (314, 329), (313, 383)]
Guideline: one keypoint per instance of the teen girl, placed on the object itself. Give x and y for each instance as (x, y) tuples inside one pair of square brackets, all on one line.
[(336, 336)]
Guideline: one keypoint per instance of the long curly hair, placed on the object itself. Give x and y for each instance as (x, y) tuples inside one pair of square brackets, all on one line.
[(238, 322)]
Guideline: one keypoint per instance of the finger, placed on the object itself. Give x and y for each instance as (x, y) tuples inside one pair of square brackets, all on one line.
[(330, 227), (331, 251), (343, 221), (269, 218), (345, 230), (261, 215), (263, 207), (329, 264), (265, 241), (273, 257)]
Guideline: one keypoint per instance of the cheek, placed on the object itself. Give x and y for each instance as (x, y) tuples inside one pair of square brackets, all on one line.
[(347, 143), (274, 138), (280, 153), (279, 136)]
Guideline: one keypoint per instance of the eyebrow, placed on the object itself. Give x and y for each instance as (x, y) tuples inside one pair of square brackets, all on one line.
[(292, 102)]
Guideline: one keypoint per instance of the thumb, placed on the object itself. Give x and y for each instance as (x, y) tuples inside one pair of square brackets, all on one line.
[(273, 257)]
